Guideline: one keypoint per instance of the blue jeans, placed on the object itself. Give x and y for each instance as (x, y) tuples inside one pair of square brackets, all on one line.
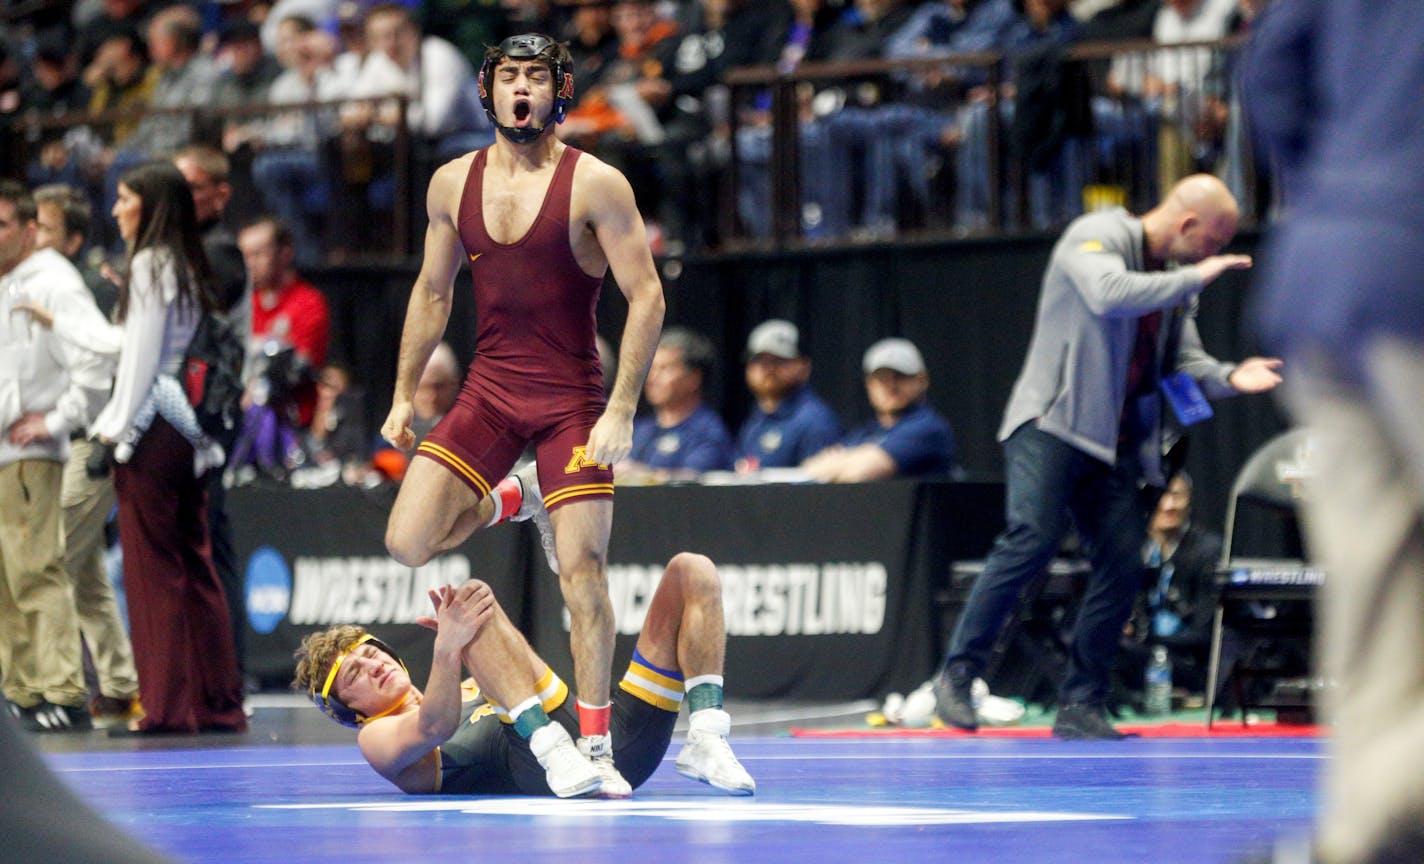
[(1048, 482), (296, 185)]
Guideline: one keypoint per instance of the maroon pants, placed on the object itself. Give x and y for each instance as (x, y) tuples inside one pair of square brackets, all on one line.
[(188, 675)]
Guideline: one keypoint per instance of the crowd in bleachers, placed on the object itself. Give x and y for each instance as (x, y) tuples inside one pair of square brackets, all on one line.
[(1018, 140)]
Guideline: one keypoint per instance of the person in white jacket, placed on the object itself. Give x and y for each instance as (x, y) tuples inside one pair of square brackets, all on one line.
[(182, 633), (48, 388)]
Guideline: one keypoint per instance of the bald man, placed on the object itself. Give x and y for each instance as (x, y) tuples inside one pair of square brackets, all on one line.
[(1114, 341)]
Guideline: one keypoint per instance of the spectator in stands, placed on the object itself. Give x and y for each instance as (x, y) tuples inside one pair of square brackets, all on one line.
[(288, 312), (1170, 83), (593, 45), (285, 306), (319, 12), (906, 135), (622, 119), (120, 78), (860, 33), (245, 82), (692, 105), (1177, 599), (1032, 44), (181, 629), (789, 423), (800, 37), (684, 436), (48, 389), (338, 436), (249, 71), (907, 438), (435, 395), (115, 17), (187, 79), (54, 88), (445, 107), (205, 169), (531, 16), (289, 169), (62, 214), (290, 332), (1221, 133), (1083, 429), (444, 114)]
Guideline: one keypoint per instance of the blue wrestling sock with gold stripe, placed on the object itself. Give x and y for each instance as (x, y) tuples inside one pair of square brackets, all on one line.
[(659, 687)]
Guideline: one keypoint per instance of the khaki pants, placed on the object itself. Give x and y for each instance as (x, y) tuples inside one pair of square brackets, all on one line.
[(1365, 524), (39, 630), (87, 504)]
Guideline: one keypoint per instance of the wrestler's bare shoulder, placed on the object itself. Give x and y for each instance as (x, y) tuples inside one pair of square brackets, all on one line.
[(599, 190), (454, 172), (447, 184), (595, 175)]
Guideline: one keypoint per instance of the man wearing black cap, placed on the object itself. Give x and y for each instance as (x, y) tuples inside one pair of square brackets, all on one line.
[(907, 438), (539, 224), (789, 423)]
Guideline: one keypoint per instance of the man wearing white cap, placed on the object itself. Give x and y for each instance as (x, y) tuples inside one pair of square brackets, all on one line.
[(789, 422), (907, 438)]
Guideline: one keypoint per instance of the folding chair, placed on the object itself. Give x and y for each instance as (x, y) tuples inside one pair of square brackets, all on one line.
[(1273, 478)]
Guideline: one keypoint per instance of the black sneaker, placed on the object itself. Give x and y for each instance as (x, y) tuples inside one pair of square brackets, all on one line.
[(48, 717), (954, 700), (101, 459), (1085, 722)]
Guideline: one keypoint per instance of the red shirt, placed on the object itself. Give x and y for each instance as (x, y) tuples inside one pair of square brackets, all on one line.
[(308, 322)]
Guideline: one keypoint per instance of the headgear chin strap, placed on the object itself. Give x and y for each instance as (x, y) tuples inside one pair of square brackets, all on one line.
[(334, 707), (529, 46)]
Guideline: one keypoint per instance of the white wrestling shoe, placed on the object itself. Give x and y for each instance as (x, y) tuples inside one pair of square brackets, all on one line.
[(709, 758), (531, 506), (568, 773), (598, 749)]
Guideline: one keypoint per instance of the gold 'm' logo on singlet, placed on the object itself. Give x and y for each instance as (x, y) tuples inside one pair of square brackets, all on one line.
[(580, 460)]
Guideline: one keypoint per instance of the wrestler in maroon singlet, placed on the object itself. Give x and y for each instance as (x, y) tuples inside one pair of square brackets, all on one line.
[(536, 374)]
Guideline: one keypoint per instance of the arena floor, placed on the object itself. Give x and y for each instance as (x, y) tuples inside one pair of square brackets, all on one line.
[(294, 789)]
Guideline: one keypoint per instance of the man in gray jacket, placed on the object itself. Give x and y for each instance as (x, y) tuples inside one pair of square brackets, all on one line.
[(1084, 426)]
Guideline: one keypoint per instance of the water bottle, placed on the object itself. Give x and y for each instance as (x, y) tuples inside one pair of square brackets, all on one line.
[(1159, 683)]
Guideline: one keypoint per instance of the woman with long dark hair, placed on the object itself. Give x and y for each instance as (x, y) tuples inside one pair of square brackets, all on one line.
[(182, 635)]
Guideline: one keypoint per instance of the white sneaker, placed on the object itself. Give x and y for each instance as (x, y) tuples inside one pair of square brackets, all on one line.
[(598, 749), (531, 506), (568, 773), (709, 758)]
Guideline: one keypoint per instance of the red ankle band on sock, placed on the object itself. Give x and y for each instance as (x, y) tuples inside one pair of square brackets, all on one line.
[(509, 495), (593, 721)]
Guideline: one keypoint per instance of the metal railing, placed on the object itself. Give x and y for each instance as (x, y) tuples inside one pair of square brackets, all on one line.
[(1142, 112), (92, 152)]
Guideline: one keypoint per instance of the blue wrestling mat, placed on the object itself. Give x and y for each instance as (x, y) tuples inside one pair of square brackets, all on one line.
[(818, 800)]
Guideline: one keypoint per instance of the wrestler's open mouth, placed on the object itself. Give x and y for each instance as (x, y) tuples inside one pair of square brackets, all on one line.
[(521, 111)]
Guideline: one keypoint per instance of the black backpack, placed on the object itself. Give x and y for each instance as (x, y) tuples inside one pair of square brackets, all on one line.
[(212, 376)]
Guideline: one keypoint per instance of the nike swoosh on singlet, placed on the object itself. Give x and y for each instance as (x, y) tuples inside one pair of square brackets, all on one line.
[(474, 256)]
